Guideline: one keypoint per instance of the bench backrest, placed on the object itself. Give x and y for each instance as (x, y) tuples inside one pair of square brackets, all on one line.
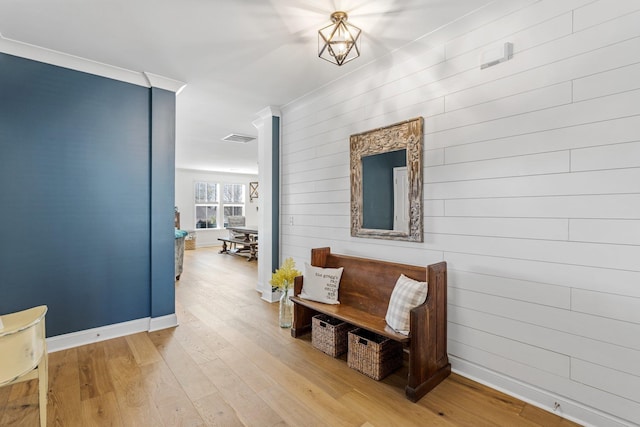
[(366, 284)]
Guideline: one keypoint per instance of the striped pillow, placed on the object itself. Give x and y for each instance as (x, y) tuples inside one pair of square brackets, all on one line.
[(407, 294)]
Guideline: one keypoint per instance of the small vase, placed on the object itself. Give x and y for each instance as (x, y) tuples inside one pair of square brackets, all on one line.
[(286, 310)]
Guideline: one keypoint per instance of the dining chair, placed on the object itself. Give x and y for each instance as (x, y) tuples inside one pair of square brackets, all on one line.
[(235, 221), (23, 351)]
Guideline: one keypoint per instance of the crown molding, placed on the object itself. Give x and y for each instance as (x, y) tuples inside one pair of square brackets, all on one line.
[(270, 111), (166, 83), (72, 62)]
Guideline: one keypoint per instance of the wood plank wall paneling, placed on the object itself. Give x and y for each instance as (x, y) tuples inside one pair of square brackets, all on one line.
[(532, 190)]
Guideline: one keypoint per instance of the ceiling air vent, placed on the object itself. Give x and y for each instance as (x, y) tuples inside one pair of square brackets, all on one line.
[(242, 139)]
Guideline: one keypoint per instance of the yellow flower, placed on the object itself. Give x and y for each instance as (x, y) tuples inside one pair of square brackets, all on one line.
[(283, 276)]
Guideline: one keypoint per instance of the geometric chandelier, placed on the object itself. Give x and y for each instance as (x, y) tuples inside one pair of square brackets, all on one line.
[(339, 42)]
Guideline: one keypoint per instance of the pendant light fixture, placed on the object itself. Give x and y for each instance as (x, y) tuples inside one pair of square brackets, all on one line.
[(339, 42)]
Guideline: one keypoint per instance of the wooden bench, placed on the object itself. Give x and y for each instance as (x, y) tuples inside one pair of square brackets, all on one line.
[(364, 293), (247, 246)]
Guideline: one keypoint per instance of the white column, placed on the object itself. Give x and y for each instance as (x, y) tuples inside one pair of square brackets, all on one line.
[(268, 198)]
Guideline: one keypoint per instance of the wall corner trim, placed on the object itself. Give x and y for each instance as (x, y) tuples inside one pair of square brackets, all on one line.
[(163, 322), (270, 111), (165, 83)]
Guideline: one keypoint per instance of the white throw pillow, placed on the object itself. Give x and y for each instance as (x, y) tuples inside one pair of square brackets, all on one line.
[(407, 294), (321, 284)]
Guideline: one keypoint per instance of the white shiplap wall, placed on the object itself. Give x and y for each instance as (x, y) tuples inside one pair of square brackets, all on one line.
[(532, 194)]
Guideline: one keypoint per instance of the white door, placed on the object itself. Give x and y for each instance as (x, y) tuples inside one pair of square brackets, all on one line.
[(400, 199)]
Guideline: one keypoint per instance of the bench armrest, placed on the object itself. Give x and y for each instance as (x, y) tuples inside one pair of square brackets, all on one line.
[(297, 285), (429, 362)]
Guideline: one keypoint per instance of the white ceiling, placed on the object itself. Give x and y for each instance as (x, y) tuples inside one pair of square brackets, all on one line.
[(236, 56)]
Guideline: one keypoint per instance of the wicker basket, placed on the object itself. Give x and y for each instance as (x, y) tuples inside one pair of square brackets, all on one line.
[(372, 354), (190, 241), (329, 335)]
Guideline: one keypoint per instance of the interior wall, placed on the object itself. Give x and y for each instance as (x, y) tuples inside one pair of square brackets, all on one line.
[(531, 195), (76, 194), (163, 163), (184, 189)]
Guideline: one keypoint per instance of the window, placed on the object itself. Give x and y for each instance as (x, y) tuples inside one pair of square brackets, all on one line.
[(206, 201), (233, 201), (212, 208)]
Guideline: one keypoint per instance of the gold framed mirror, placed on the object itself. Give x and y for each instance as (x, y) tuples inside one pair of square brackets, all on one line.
[(386, 182)]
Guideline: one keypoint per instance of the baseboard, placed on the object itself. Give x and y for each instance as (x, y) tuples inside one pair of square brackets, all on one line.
[(271, 296), (163, 322), (269, 300), (543, 399), (102, 333)]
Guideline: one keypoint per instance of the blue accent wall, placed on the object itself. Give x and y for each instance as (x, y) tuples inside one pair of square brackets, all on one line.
[(162, 202), (377, 188), (76, 196), (275, 192)]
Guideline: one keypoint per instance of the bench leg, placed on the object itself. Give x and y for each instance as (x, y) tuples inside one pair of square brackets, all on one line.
[(424, 372), (224, 248), (415, 392), (252, 253), (301, 320)]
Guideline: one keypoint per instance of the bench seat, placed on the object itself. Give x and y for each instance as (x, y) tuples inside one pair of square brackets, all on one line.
[(355, 317)]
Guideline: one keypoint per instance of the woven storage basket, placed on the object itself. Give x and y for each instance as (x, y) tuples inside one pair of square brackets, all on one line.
[(329, 335), (372, 354), (190, 241)]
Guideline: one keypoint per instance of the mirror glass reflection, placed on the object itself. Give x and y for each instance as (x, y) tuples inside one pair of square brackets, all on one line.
[(385, 199)]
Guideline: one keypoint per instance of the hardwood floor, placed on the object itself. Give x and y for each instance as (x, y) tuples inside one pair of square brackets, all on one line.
[(229, 364)]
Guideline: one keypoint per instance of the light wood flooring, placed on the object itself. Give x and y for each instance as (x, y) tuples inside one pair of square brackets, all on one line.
[(229, 364)]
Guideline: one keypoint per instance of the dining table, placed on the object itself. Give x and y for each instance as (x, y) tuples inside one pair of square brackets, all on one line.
[(250, 233), (242, 240)]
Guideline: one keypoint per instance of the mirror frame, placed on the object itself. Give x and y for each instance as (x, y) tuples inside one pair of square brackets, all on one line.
[(404, 135)]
